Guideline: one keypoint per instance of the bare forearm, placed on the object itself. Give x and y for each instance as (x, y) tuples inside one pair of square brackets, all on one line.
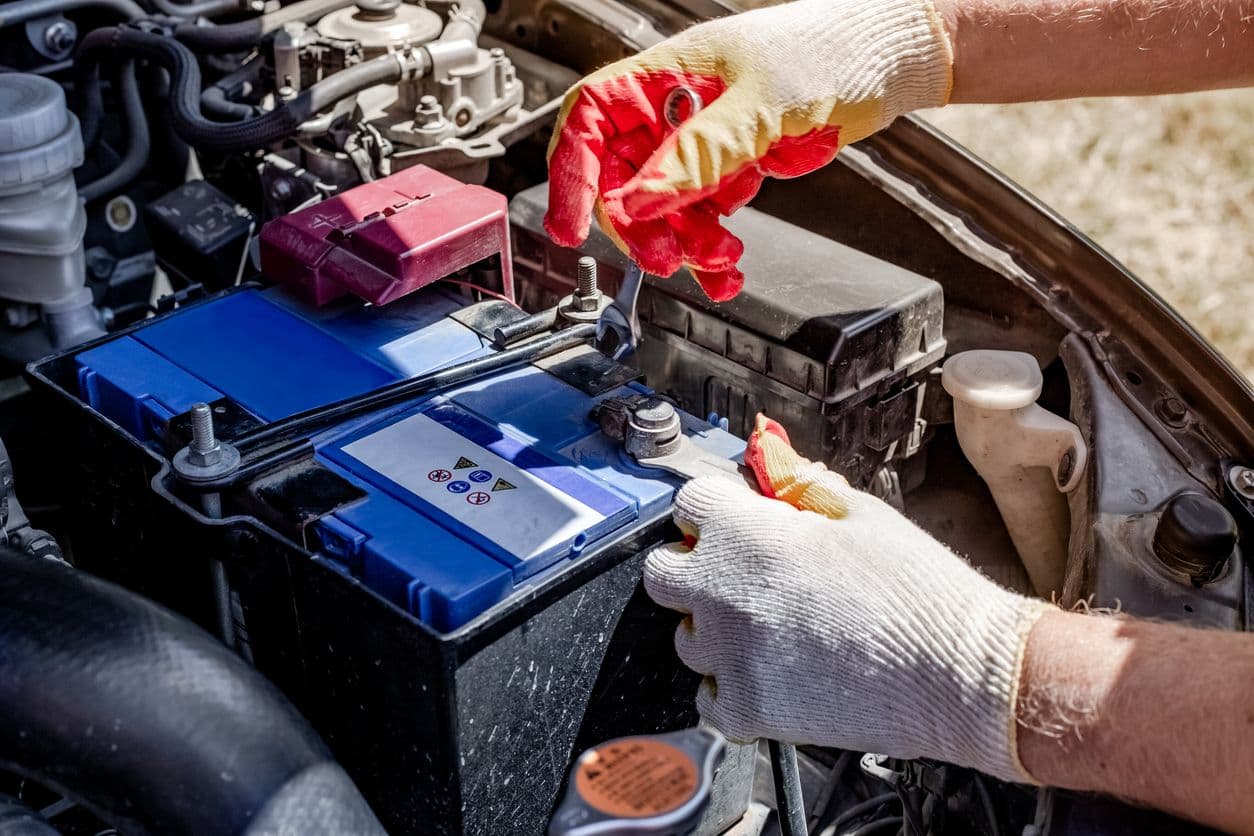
[(1031, 50), (1151, 712)]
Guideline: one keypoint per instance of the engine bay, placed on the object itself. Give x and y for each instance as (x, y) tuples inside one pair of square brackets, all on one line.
[(289, 352)]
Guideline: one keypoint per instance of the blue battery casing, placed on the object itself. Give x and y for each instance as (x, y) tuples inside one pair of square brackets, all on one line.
[(470, 493)]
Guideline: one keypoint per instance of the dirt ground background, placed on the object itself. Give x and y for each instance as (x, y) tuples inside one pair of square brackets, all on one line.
[(1165, 184)]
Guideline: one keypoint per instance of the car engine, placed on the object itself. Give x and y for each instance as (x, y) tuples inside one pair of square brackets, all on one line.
[(288, 352)]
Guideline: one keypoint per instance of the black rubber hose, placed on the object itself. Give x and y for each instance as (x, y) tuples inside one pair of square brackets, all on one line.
[(138, 142), (216, 98), (236, 37), (21, 11), (203, 8), (140, 715), (788, 801), (184, 98)]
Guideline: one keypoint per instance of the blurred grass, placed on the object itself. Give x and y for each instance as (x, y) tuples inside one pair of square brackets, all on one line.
[(1165, 184)]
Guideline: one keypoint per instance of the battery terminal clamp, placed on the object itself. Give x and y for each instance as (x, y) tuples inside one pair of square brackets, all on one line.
[(652, 433), (648, 784)]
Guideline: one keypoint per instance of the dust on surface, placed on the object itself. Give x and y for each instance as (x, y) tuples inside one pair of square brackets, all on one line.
[(1165, 184)]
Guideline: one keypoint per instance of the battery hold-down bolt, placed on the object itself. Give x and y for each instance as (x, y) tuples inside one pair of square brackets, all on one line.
[(207, 457), (586, 303)]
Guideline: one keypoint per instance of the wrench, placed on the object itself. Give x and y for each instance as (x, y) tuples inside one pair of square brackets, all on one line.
[(618, 329)]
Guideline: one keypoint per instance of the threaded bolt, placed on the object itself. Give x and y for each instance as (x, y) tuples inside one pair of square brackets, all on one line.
[(202, 427), (585, 303), (587, 277)]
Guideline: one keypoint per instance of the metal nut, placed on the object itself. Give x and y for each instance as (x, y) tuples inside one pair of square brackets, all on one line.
[(428, 114), (654, 414)]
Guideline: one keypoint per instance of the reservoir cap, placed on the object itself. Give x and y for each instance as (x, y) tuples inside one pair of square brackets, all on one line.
[(39, 137), (989, 379), (649, 785), (1195, 535)]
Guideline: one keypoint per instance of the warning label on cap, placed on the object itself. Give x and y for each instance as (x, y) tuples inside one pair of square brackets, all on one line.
[(636, 778)]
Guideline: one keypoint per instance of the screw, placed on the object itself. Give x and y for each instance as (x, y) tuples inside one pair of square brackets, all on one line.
[(1242, 479), (1066, 465), (428, 114), (1173, 411), (60, 36), (281, 189), (100, 264), (205, 449)]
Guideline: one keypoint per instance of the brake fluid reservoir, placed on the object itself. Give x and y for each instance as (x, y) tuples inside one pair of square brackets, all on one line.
[(41, 218), (1028, 456)]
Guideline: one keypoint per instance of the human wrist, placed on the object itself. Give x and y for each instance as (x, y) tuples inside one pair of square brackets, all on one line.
[(1068, 677)]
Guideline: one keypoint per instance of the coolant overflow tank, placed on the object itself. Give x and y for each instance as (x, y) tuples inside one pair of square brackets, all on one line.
[(1027, 455)]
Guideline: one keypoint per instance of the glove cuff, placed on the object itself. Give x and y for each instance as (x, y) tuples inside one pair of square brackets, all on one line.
[(1000, 747), (910, 60), (922, 68)]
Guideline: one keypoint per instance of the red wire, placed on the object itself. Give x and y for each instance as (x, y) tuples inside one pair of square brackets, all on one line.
[(485, 292)]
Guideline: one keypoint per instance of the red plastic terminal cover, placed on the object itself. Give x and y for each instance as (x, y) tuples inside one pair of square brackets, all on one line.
[(385, 239)]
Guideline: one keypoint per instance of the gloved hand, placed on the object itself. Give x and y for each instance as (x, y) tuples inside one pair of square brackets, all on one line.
[(783, 88), (856, 630)]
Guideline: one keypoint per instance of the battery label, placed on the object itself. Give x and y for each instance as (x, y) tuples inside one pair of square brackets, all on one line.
[(524, 515)]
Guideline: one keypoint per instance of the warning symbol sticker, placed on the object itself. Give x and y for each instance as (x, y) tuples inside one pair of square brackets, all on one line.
[(502, 485), (636, 778), (478, 498), (463, 463), (439, 475)]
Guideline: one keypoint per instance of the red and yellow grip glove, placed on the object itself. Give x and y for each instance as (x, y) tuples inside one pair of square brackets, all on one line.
[(780, 90), (784, 474)]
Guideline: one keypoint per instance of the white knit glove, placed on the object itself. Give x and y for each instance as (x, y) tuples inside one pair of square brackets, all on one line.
[(862, 633)]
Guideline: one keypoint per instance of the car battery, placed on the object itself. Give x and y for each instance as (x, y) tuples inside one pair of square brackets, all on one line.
[(446, 585), (836, 344)]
